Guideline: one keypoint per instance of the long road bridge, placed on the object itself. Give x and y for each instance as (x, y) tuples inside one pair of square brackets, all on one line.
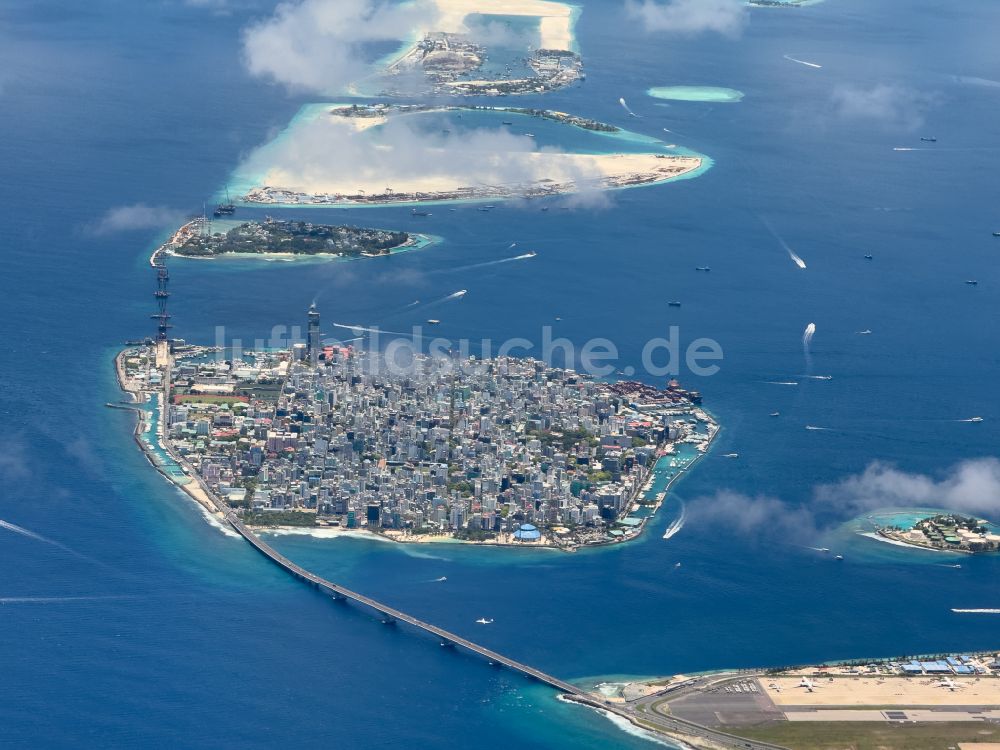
[(681, 730)]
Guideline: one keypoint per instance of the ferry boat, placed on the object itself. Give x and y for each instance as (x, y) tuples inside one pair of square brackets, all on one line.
[(433, 322), (225, 209), (868, 256), (415, 212), (971, 282), (702, 268), (976, 419), (674, 304), (506, 122), (928, 139), (996, 234)]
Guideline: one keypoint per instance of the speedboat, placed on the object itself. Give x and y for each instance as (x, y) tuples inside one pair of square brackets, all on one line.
[(433, 322), (971, 282), (976, 419), (866, 332), (484, 621), (775, 413), (838, 557)]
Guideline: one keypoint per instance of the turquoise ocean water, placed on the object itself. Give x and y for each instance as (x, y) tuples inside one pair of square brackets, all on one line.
[(127, 620)]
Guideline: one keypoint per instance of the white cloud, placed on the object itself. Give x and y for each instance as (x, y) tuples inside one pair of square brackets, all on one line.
[(318, 45), (727, 17), (971, 487), (136, 217), (888, 105), (13, 460), (328, 155)]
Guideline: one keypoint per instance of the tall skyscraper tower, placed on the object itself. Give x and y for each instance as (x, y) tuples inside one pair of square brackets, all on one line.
[(313, 341), (161, 316)]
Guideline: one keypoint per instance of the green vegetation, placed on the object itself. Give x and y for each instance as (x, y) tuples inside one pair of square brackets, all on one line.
[(206, 399), (296, 237), (474, 535), (280, 518), (564, 441), (865, 735)]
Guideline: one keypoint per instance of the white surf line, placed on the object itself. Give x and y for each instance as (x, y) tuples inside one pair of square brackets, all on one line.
[(802, 62), (976, 611)]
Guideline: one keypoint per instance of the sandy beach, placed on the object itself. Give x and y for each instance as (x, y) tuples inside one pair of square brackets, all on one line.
[(499, 175), (555, 19)]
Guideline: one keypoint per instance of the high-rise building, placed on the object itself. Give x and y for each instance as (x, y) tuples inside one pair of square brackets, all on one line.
[(315, 344)]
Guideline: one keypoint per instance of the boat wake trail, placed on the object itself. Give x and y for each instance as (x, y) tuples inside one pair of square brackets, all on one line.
[(976, 611), (522, 256), (802, 62), (807, 337), (796, 259), (820, 377), (781, 382), (45, 540), (357, 330), (630, 112), (821, 429), (438, 580), (677, 524), (56, 599)]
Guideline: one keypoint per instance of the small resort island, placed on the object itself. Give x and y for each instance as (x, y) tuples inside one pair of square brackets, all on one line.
[(396, 159), (328, 438), (946, 531), (202, 238)]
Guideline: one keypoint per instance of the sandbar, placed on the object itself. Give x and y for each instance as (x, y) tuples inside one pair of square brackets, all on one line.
[(714, 94)]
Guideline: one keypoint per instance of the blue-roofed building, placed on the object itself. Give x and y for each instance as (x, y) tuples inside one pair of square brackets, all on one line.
[(527, 533), (935, 667), (963, 669), (913, 669), (953, 661)]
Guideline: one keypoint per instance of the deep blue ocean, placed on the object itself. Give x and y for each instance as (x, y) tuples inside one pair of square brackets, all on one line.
[(128, 621)]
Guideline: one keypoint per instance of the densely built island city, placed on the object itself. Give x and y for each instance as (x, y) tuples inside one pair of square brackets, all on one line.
[(500, 451)]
